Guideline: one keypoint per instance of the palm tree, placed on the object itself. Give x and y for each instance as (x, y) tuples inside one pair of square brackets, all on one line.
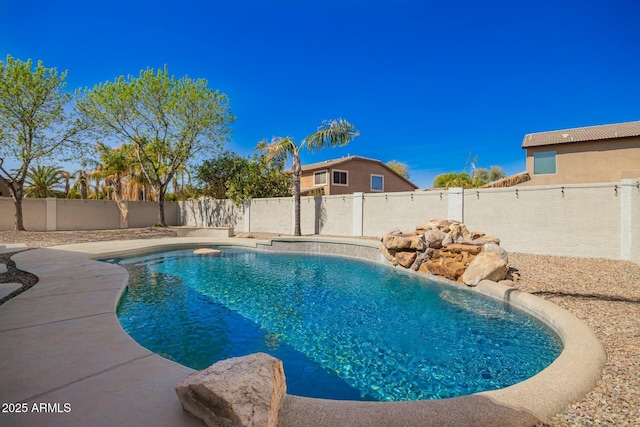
[(332, 133), (42, 180), (81, 184), (67, 186)]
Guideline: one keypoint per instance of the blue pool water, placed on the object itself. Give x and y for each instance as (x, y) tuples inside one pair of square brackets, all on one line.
[(344, 329)]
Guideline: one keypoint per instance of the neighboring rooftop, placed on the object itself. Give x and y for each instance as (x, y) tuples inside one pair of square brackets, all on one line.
[(589, 133), (327, 163), (335, 162)]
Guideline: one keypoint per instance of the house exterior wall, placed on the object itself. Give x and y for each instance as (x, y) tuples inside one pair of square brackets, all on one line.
[(359, 178), (588, 162), (4, 190)]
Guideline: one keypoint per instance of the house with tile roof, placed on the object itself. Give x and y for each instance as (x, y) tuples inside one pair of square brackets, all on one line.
[(352, 174), (606, 153)]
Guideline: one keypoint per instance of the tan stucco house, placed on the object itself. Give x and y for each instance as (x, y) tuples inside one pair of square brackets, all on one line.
[(352, 174), (606, 153)]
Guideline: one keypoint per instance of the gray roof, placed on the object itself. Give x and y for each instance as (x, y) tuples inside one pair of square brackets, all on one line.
[(590, 133)]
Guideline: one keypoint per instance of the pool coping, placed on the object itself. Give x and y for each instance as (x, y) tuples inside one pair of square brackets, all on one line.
[(48, 356)]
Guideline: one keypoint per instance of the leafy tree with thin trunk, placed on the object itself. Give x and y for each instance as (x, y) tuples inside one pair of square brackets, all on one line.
[(332, 133), (33, 122), (257, 177), (168, 121)]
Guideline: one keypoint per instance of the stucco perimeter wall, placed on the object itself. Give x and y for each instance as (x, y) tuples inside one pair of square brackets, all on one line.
[(33, 214), (328, 215), (273, 215), (575, 220), (600, 220), (382, 213), (210, 213), (631, 219), (144, 214), (74, 214)]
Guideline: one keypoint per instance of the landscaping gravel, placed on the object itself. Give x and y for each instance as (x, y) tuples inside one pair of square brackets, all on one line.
[(603, 293)]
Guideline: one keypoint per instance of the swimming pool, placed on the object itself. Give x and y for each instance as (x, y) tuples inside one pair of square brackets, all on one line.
[(344, 329)]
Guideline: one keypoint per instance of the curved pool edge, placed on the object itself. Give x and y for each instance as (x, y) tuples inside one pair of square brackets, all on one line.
[(569, 378)]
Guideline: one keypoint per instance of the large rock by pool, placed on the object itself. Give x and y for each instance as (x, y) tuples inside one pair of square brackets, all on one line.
[(447, 248), (241, 391)]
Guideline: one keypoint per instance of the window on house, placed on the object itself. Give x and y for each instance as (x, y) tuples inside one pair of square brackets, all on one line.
[(377, 183), (544, 162), (340, 177), (320, 178)]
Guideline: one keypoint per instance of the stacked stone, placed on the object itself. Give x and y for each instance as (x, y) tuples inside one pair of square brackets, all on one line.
[(447, 248)]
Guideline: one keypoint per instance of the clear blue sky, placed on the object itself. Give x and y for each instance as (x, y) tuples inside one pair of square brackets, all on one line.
[(425, 82)]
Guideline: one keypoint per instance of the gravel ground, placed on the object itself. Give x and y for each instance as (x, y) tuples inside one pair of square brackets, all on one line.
[(603, 293)]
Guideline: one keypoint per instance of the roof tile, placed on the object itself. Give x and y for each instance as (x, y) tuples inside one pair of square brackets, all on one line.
[(590, 133)]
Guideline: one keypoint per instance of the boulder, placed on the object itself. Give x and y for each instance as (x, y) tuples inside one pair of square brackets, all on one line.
[(447, 240), (423, 257), (241, 391), (476, 235), (434, 238), (207, 251), (406, 258), (440, 224), (447, 267), (397, 242), (387, 254), (457, 248), (493, 248), (486, 265), (488, 239)]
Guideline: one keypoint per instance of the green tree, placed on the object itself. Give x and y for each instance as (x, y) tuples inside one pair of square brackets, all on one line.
[(495, 173), (42, 181), (452, 179), (33, 122), (332, 133), (168, 120), (257, 178), (213, 174), (401, 168), (479, 178)]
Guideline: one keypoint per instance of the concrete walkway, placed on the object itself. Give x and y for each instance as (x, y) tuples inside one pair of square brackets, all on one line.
[(62, 349), (65, 360)]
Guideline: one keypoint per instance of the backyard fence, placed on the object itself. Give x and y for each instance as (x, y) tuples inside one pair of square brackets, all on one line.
[(52, 214), (591, 220)]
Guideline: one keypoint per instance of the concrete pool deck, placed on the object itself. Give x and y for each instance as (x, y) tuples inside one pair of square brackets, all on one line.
[(61, 343)]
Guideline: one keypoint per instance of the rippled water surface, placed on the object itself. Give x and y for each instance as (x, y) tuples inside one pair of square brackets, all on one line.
[(345, 329)]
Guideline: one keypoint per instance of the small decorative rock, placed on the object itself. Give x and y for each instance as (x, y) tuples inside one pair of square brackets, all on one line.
[(241, 391), (207, 251)]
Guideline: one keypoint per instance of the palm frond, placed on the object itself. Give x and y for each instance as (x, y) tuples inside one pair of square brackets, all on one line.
[(279, 149), (332, 133)]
